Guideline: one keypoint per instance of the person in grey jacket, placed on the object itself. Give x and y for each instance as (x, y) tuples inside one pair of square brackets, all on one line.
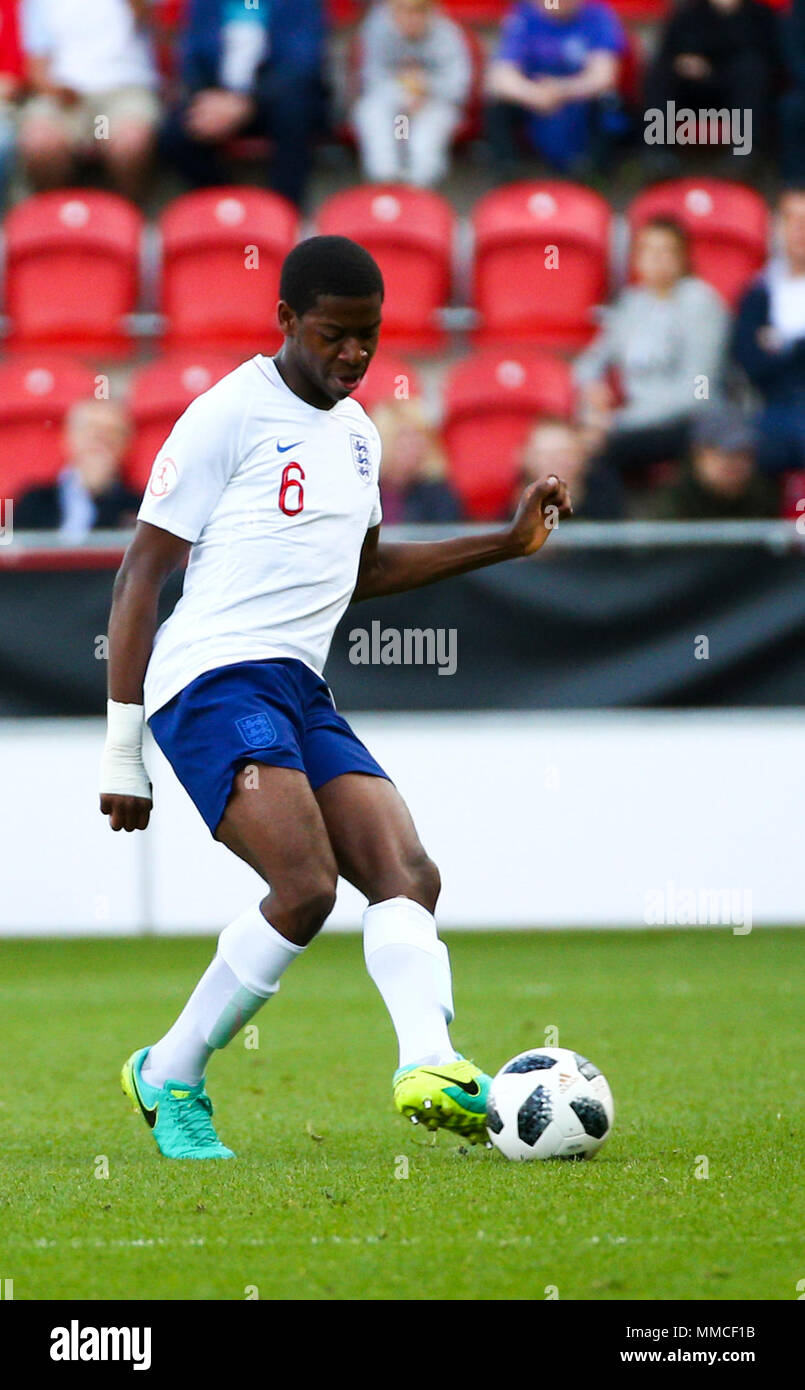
[(665, 339), (416, 72)]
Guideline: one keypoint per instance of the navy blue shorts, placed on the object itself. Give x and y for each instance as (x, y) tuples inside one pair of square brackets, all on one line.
[(276, 711)]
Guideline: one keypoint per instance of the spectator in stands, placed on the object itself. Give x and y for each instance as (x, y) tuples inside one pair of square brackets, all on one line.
[(769, 342), (718, 54), (561, 447), (554, 80), (665, 339), (249, 72), (721, 481), (88, 494), (11, 74), (416, 72), (94, 90), (792, 102), (413, 485)]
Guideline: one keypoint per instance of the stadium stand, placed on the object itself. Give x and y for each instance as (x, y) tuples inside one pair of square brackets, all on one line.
[(491, 400), (35, 394), (641, 11), (540, 264), (461, 270), (472, 124), (159, 393), (168, 16), (208, 238), (727, 224), (343, 12), (72, 271), (481, 12), (386, 379), (793, 496), (410, 232), (631, 72)]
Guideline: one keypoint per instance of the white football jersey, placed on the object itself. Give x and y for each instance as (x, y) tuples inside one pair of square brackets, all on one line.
[(277, 497)]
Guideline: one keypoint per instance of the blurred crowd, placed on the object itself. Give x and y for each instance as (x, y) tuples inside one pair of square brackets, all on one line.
[(563, 81), (559, 86)]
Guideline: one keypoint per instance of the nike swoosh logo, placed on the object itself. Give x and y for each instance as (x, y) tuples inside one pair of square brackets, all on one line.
[(283, 448), (471, 1087), (150, 1115)]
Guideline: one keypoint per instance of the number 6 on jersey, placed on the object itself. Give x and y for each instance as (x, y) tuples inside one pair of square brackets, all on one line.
[(289, 482)]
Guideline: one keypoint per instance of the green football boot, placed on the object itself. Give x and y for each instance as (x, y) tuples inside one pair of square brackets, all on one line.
[(178, 1115), (447, 1096)]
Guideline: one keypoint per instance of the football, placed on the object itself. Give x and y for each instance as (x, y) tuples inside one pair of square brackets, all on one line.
[(549, 1103)]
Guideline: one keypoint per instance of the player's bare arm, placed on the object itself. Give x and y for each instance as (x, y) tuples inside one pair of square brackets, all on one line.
[(152, 555), (391, 568)]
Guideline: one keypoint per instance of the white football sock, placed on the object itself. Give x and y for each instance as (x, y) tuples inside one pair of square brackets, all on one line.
[(245, 972), (411, 968)]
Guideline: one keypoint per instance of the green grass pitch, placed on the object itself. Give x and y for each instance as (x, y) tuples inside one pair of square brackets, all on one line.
[(698, 1032)]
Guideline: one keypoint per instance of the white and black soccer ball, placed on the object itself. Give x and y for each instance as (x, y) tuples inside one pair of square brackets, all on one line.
[(549, 1103)]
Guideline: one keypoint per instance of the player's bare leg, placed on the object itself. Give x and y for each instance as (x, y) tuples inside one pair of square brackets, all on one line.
[(378, 850), (272, 822), (375, 841)]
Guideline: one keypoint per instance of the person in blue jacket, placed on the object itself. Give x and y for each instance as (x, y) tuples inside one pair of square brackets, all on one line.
[(769, 342), (248, 69), (792, 99), (554, 80)]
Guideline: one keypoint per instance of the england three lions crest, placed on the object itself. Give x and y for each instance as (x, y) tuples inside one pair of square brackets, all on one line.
[(361, 457)]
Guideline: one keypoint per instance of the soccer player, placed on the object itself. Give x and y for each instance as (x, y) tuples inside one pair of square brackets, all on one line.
[(269, 482)]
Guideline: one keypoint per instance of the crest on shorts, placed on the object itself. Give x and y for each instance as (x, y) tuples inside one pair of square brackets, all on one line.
[(361, 457), (256, 730)]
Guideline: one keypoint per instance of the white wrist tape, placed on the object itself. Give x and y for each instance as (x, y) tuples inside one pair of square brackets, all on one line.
[(122, 769)]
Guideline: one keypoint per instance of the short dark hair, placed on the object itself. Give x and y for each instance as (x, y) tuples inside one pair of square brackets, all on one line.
[(328, 265), (660, 223)]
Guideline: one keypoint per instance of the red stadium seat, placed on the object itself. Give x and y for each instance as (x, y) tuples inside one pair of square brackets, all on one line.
[(388, 378), (491, 402), (631, 71), (490, 12), (410, 232), (35, 395), (523, 289), (340, 12), (159, 394), (641, 11), (222, 250), (727, 223), (792, 496), (471, 127), (167, 19), (72, 268)]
